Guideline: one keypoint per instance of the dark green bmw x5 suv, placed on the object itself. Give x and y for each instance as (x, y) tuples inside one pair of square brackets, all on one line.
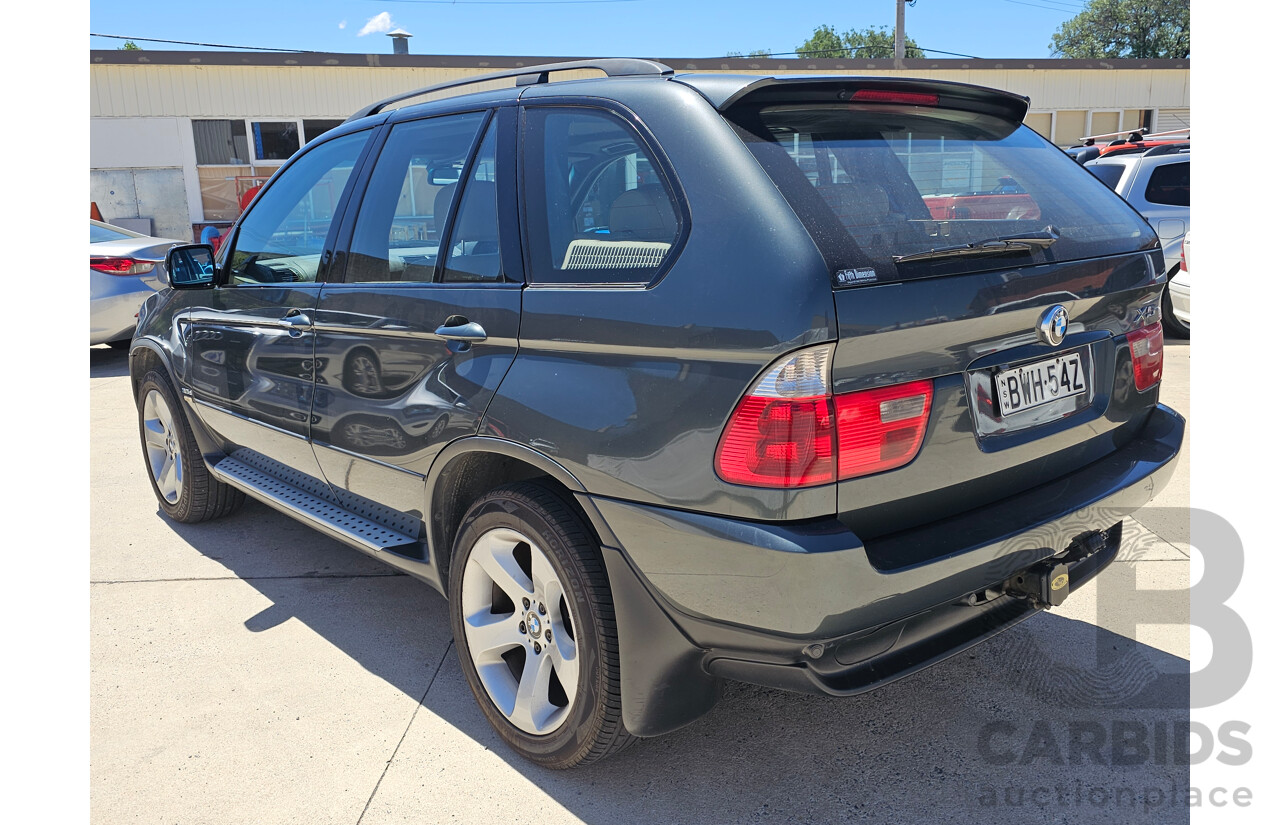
[(664, 379)]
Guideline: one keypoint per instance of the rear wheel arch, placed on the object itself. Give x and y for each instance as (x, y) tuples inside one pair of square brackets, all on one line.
[(470, 468)]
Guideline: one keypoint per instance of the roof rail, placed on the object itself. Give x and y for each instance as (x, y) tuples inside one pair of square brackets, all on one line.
[(1168, 149), (530, 75), (1090, 140)]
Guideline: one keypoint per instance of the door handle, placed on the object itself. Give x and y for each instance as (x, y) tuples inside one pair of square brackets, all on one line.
[(295, 320), (468, 332)]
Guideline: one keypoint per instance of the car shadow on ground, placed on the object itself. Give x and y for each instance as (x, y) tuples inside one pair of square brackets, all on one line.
[(1054, 720), (105, 362)]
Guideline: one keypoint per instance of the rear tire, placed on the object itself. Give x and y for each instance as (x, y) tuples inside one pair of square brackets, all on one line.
[(179, 477), (545, 673)]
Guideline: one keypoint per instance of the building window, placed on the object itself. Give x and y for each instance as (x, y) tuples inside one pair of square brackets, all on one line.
[(273, 140), (220, 142), (312, 129), (235, 157)]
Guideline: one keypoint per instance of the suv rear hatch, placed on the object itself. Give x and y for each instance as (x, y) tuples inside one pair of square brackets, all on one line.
[(951, 232)]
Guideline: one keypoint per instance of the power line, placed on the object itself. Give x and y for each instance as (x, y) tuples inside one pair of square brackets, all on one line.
[(817, 52), (194, 43), (1058, 9), (504, 2)]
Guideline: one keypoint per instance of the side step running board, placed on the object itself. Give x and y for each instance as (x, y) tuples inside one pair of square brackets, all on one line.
[(318, 512)]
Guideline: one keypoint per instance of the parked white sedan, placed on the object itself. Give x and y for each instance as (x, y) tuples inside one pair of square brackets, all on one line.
[(124, 268), (1180, 287)]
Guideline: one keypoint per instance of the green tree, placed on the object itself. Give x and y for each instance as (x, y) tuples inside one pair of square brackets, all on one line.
[(1127, 28), (129, 46), (871, 43)]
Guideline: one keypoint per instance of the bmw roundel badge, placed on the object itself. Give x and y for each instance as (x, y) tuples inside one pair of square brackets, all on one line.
[(1053, 325)]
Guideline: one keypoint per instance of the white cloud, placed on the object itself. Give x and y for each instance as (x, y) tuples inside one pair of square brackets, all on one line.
[(378, 24), (343, 24)]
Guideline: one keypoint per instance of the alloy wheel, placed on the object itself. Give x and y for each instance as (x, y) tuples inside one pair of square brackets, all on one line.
[(164, 450), (520, 630)]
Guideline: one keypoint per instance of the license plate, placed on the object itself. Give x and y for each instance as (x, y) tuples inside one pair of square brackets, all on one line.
[(1023, 388)]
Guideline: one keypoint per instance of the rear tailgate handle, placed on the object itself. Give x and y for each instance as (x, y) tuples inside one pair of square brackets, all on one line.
[(467, 332)]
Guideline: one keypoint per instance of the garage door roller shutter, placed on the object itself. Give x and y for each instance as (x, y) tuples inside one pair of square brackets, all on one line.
[(1169, 119)]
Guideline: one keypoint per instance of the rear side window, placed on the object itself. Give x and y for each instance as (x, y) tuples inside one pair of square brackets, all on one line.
[(875, 183), (1170, 184), (598, 208)]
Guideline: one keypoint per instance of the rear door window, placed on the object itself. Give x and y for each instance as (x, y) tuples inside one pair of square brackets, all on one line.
[(874, 184), (1170, 184), (472, 253), (597, 206)]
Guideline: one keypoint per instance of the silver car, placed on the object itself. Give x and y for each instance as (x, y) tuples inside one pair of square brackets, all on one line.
[(1157, 183), (1180, 289), (124, 268)]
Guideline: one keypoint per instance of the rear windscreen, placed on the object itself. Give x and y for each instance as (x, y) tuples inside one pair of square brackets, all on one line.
[(1108, 173), (875, 183)]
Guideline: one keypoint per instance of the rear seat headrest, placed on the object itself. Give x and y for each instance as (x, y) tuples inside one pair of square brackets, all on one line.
[(644, 214)]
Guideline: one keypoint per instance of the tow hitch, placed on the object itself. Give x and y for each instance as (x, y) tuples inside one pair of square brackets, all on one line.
[(1048, 583)]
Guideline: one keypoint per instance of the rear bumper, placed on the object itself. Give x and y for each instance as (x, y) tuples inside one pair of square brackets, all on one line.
[(700, 597), (113, 306)]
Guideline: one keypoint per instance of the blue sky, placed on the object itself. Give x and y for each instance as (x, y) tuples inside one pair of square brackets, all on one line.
[(611, 28)]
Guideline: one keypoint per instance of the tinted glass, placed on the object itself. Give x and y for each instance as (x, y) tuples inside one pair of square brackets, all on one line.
[(404, 210), (1170, 184), (1108, 173), (282, 237), (473, 242), (598, 208), (875, 183)]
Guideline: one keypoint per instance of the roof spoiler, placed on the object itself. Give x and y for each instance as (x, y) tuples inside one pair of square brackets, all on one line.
[(1006, 105)]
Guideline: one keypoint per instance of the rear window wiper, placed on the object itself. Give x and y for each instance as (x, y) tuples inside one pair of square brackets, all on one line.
[(1026, 242)]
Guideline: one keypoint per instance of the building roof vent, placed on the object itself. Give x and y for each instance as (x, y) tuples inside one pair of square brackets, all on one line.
[(399, 41)]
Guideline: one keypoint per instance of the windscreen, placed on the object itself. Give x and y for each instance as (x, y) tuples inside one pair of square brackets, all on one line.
[(876, 184)]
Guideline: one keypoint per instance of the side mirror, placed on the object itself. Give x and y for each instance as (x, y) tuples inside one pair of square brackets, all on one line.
[(190, 266)]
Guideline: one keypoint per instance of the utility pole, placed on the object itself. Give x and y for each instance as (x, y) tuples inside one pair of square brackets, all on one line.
[(899, 36)]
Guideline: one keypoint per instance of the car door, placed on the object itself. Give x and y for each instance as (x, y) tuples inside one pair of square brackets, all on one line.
[(412, 342), (1165, 195), (250, 346)]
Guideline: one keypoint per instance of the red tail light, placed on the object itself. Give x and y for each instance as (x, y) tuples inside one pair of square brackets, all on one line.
[(121, 266), (779, 442), (1147, 346), (790, 431), (886, 96), (883, 428)]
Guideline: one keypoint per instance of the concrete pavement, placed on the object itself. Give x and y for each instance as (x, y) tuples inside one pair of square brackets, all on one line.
[(251, 670)]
